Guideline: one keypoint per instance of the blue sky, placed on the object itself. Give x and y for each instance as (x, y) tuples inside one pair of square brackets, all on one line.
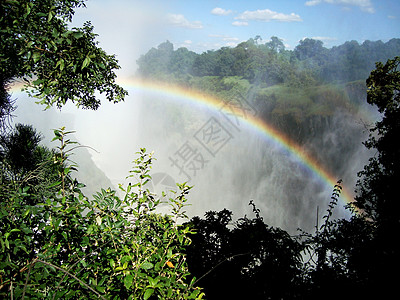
[(130, 28)]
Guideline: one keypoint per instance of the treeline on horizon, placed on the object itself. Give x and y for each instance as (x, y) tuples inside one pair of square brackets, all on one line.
[(270, 63)]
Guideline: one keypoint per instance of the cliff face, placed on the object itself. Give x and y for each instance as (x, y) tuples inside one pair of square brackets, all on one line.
[(89, 174), (305, 113), (327, 117), (357, 91)]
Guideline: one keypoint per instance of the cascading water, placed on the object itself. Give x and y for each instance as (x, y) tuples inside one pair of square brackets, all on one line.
[(228, 163), (242, 165)]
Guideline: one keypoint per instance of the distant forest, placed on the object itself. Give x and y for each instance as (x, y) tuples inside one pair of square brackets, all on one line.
[(270, 63), (300, 87)]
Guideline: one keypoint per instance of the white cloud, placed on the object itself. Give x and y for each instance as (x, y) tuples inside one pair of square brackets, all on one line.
[(364, 5), (231, 44), (267, 15), (240, 23), (185, 44), (180, 21), (220, 11), (231, 39), (225, 38), (324, 38), (313, 2)]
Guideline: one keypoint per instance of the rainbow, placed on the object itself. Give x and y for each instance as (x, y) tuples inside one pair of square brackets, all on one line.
[(260, 126), (269, 133)]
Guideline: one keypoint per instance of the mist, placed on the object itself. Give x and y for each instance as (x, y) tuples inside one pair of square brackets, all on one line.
[(245, 167), (248, 166)]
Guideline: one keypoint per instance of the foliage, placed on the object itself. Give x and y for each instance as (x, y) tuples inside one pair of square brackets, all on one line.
[(24, 160), (18, 149), (6, 103), (380, 176), (248, 259), (377, 187), (326, 262), (57, 63), (269, 63), (243, 260), (71, 247)]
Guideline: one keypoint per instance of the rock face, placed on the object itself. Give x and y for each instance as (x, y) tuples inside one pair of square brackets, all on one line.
[(89, 174)]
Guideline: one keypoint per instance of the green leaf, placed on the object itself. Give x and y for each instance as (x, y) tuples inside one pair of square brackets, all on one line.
[(148, 293), (36, 57), (60, 63), (77, 34), (54, 184), (50, 16), (147, 265), (86, 62), (153, 282), (28, 9), (56, 223), (128, 281)]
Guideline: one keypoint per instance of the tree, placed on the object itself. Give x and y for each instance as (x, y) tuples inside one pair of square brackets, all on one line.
[(17, 149), (308, 48), (6, 103), (275, 44), (243, 260), (24, 161), (205, 64), (376, 194), (181, 61), (57, 63), (378, 183), (225, 61), (105, 247), (156, 61)]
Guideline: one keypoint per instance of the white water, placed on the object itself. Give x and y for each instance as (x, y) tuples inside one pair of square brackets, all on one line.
[(241, 168)]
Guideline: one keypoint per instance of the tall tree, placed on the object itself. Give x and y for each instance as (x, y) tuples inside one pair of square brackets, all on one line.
[(377, 195), (377, 188), (23, 161), (275, 44), (156, 61), (17, 148), (308, 48), (6, 103), (58, 63)]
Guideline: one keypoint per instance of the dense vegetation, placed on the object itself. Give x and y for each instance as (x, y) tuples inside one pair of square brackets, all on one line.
[(309, 81), (58, 63), (56, 242), (269, 63)]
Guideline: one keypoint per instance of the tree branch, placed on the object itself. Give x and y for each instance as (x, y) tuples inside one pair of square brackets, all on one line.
[(72, 275), (217, 265)]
